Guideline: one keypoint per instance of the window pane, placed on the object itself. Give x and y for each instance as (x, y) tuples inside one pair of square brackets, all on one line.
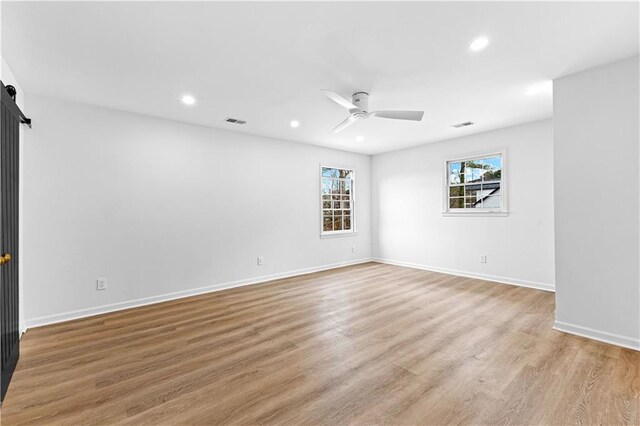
[(337, 223), (346, 212), (492, 169), (336, 197), (335, 186), (327, 213), (492, 202), (473, 195), (472, 203), (346, 223), (473, 171), (326, 186), (346, 205), (337, 173), (329, 172), (455, 173), (326, 197), (347, 186), (492, 188), (471, 189), (456, 203), (326, 204), (456, 191), (336, 204), (327, 224), (345, 174)]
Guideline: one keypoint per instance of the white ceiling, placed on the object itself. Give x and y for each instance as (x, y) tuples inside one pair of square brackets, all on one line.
[(266, 62)]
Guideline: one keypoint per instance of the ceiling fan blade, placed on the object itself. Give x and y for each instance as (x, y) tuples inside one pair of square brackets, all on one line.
[(339, 100), (346, 123), (399, 115)]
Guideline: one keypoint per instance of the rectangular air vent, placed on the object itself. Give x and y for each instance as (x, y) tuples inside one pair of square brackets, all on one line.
[(465, 124), (234, 120)]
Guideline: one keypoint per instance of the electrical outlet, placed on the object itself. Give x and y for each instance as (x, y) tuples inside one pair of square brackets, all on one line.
[(260, 260), (101, 284), (353, 249), (483, 258)]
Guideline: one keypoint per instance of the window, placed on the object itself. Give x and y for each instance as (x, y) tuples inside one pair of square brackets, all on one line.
[(337, 187), (476, 184)]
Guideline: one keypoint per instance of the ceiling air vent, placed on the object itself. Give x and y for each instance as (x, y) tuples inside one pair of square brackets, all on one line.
[(234, 120), (465, 124)]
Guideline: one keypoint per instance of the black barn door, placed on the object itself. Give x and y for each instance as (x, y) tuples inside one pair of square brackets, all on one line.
[(9, 300)]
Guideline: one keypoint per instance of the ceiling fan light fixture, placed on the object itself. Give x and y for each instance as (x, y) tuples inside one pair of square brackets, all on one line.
[(358, 110)]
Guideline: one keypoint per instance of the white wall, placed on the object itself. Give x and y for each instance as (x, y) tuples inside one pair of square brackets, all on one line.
[(160, 207), (407, 201), (7, 77), (596, 149)]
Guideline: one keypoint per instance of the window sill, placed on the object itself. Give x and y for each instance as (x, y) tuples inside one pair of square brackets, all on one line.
[(476, 214), (339, 234)]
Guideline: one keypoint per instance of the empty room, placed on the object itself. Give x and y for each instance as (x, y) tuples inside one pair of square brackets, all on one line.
[(320, 213)]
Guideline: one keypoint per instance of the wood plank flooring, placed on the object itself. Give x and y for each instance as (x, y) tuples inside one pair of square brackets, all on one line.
[(366, 344)]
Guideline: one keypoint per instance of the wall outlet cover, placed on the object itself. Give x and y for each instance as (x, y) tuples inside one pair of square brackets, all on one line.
[(101, 284)]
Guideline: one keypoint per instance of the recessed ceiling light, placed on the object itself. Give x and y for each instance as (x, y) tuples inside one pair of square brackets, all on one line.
[(359, 138), (479, 44), (295, 123), (539, 88), (188, 100)]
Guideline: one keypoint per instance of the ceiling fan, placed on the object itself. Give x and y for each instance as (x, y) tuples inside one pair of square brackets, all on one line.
[(359, 110)]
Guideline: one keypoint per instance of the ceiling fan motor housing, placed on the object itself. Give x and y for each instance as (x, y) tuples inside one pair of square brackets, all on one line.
[(361, 100)]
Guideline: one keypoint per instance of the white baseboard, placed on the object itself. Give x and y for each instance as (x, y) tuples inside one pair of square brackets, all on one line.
[(602, 336), (88, 312), (502, 280)]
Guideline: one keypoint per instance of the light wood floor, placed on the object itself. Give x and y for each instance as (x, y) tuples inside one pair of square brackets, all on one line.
[(366, 344)]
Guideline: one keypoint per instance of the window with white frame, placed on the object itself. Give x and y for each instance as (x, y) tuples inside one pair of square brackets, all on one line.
[(475, 184), (337, 188)]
